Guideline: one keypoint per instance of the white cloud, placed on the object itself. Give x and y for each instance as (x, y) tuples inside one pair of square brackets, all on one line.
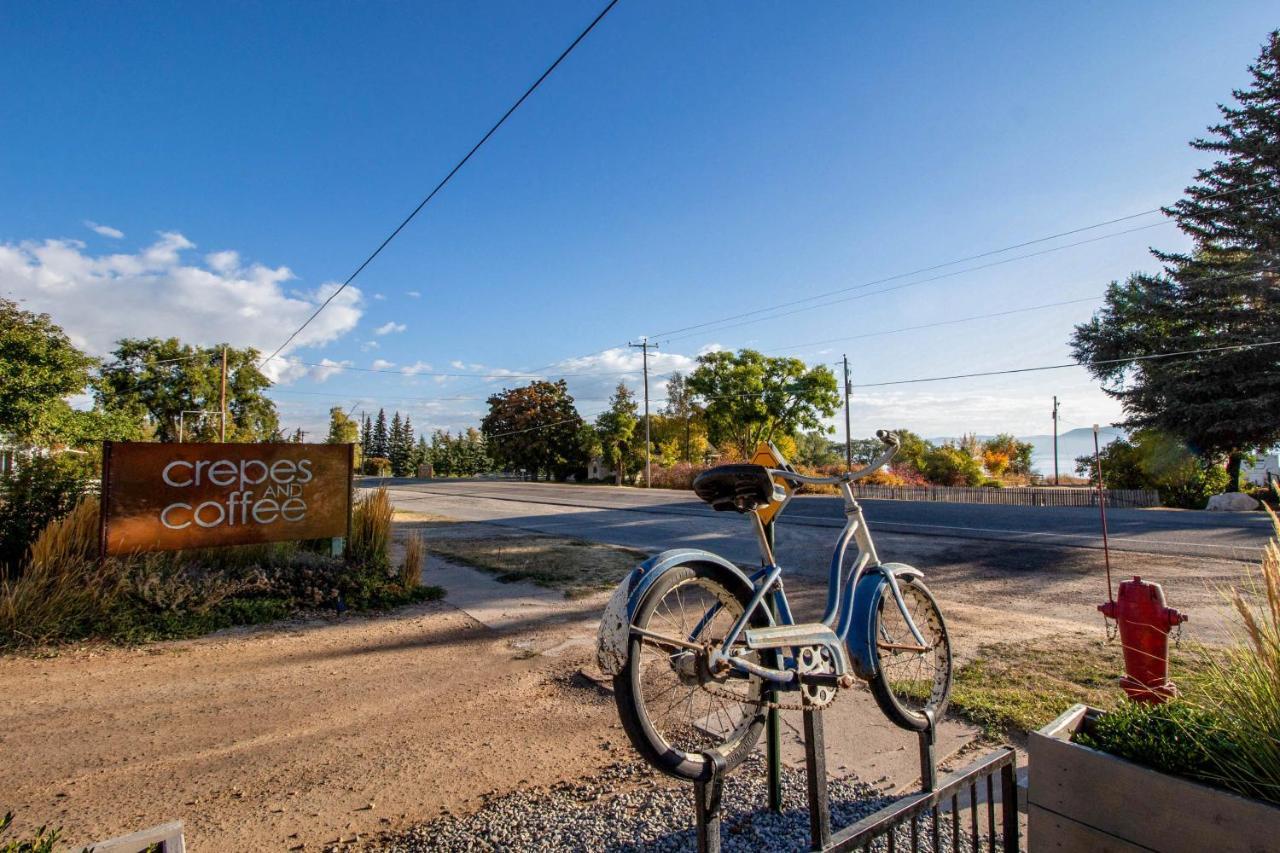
[(104, 230), (382, 364), (415, 368), (326, 368), (368, 345), (458, 365), (414, 294), (389, 327), (379, 297), (99, 299)]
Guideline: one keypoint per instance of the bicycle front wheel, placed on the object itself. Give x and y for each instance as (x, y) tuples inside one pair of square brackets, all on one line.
[(911, 678), (670, 705)]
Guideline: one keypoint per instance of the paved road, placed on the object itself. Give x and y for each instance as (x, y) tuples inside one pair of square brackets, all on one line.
[(585, 511)]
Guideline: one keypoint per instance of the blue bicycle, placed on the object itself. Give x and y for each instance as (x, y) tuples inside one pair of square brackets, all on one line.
[(699, 651)]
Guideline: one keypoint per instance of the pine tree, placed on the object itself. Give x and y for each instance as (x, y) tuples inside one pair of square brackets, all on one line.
[(395, 446), (421, 454), (366, 436), (380, 437), (1225, 292)]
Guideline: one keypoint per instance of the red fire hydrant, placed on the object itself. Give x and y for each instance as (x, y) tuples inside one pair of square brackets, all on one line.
[(1145, 623)]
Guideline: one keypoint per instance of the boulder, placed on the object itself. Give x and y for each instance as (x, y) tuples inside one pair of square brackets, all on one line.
[(1232, 502)]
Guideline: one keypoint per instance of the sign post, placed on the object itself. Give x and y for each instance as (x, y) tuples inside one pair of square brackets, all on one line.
[(169, 497)]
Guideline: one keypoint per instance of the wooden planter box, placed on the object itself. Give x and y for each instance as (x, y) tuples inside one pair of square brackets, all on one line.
[(1086, 800)]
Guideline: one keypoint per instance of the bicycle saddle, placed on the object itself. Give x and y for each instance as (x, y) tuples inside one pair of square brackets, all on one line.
[(742, 488)]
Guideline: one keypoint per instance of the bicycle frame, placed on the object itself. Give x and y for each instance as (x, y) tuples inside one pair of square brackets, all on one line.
[(839, 612)]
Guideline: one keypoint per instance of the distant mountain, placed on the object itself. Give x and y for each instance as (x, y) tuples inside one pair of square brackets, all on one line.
[(1072, 443)]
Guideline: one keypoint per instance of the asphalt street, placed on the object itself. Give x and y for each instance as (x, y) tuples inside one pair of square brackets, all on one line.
[(647, 519)]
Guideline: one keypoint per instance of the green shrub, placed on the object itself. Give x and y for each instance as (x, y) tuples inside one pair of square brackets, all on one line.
[(377, 466), (1176, 737), (43, 489), (951, 466), (1153, 460), (41, 842)]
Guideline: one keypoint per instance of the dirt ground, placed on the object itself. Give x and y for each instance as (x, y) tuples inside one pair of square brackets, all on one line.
[(303, 734), (308, 733)]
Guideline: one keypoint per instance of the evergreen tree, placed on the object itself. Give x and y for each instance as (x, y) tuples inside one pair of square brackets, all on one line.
[(366, 436), (380, 437), (395, 447), (421, 453), (1225, 292)]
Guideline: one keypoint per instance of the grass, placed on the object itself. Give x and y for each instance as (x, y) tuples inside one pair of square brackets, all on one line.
[(411, 564), (1010, 688), (576, 567)]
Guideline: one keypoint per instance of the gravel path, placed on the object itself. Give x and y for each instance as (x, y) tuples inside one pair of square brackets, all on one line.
[(629, 807)]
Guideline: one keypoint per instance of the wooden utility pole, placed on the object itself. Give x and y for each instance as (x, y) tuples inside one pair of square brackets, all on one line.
[(223, 407), (1055, 440), (648, 465), (848, 437)]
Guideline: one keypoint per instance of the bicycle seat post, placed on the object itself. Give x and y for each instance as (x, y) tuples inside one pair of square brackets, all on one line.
[(763, 538)]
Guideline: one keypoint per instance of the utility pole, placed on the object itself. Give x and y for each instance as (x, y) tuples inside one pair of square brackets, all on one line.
[(223, 430), (648, 470), (1055, 440), (848, 437)]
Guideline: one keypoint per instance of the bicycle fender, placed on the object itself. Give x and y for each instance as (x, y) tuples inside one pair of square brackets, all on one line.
[(613, 639), (866, 600)]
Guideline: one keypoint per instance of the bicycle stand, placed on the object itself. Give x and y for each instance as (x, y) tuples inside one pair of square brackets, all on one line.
[(708, 792)]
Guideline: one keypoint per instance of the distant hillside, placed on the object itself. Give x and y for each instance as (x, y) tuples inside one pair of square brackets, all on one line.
[(1072, 443)]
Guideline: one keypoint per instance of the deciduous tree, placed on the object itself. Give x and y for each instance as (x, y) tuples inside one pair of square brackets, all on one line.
[(749, 397), (616, 427), (39, 367), (535, 429), (157, 380)]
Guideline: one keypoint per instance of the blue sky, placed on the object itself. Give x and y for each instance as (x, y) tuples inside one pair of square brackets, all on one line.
[(688, 162)]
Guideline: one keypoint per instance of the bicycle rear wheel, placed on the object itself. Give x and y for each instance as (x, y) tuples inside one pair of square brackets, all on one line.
[(911, 678), (671, 707)]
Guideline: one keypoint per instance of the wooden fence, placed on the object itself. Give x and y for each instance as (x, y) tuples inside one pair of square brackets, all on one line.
[(1012, 496)]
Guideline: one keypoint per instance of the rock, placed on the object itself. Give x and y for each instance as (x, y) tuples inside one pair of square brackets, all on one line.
[(1232, 502)]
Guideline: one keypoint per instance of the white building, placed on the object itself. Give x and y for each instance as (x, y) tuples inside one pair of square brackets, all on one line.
[(1264, 464)]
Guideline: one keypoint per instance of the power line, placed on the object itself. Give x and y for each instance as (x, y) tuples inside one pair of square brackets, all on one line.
[(939, 323), (536, 83), (966, 259), (1151, 357)]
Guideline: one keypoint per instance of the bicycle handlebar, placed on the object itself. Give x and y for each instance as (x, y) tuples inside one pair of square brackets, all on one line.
[(891, 443)]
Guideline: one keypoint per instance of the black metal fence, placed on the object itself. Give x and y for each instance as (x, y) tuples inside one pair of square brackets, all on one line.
[(961, 813)]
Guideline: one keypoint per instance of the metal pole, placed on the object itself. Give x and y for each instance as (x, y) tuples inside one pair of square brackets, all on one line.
[(648, 463), (222, 432), (848, 437), (1055, 440), (181, 415), (1102, 510)]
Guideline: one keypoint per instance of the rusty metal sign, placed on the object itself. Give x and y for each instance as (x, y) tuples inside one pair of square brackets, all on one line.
[(768, 456), (168, 497)]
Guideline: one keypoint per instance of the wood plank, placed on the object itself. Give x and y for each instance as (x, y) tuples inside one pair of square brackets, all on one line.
[(1138, 804), (1048, 831), (168, 835)]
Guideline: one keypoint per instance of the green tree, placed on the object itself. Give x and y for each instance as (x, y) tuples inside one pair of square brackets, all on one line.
[(366, 436), (381, 440), (342, 429), (911, 451), (534, 429), (949, 465), (156, 380), (39, 367), (815, 448), (1150, 459), (616, 427), (683, 410), (1224, 292), (749, 397)]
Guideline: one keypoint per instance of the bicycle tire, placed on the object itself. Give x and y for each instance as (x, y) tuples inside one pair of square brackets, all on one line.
[(895, 707), (629, 691)]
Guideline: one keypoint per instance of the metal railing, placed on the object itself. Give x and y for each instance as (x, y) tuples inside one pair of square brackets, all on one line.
[(1011, 496), (938, 816)]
